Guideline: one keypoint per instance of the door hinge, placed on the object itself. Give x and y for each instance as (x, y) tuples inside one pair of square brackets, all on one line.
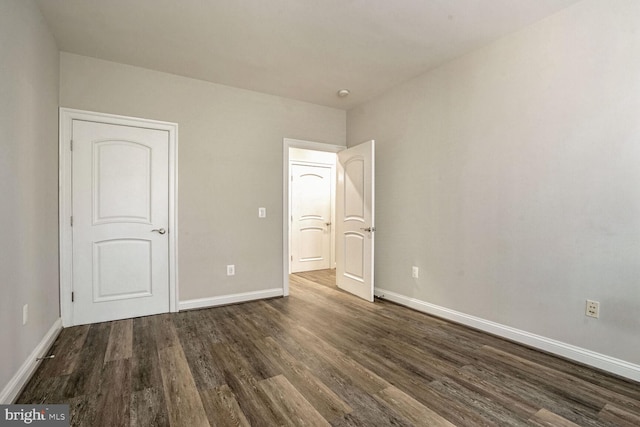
[(72, 297), (71, 220), (291, 257), (71, 145)]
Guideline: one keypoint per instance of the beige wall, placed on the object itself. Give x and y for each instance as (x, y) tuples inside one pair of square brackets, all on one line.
[(230, 163), (511, 177), (28, 182)]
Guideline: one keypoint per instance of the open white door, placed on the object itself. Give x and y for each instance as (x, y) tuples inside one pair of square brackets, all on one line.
[(355, 220)]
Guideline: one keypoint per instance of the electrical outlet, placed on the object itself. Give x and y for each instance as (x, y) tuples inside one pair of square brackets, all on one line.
[(25, 314), (231, 270), (593, 309), (415, 272)]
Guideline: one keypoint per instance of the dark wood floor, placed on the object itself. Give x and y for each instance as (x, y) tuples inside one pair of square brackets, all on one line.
[(318, 357)]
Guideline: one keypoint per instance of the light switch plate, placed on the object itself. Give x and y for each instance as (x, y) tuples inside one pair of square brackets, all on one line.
[(262, 212)]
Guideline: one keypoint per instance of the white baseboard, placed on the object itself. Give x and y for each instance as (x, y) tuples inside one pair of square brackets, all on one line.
[(20, 379), (568, 351), (229, 299)]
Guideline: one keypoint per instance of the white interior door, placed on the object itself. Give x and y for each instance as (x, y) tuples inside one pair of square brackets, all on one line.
[(355, 220), (311, 187), (120, 209)]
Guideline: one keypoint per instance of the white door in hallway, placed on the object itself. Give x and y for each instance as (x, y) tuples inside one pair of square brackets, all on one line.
[(120, 191), (355, 220), (311, 188)]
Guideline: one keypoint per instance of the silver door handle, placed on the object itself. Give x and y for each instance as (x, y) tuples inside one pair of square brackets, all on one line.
[(369, 229), (159, 230)]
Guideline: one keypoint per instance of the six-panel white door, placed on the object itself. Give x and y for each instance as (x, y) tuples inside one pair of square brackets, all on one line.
[(355, 220), (120, 220), (311, 188)]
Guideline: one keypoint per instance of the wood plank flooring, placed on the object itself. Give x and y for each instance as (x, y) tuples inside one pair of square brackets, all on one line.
[(318, 357)]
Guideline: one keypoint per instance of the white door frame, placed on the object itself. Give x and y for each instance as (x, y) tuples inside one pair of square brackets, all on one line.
[(67, 115), (286, 206)]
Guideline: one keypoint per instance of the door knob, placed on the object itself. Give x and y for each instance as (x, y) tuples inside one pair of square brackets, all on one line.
[(327, 224), (369, 229), (159, 230)]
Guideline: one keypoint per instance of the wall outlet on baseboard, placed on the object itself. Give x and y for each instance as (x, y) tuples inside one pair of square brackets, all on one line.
[(415, 272), (593, 309), (231, 270), (25, 314)]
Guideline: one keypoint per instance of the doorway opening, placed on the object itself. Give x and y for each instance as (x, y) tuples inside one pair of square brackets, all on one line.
[(309, 179), (312, 204), (308, 234)]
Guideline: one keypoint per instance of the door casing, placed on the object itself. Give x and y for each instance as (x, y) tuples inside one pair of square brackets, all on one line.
[(67, 115)]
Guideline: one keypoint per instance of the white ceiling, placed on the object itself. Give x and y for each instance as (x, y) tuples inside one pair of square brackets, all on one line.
[(300, 49)]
